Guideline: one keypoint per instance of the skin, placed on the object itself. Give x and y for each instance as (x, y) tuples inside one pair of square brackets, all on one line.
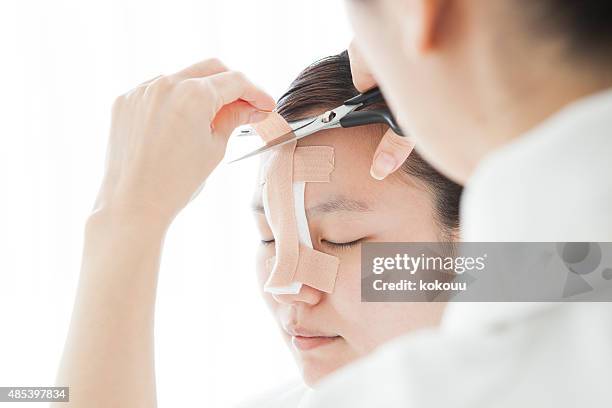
[(396, 209), (450, 59), (432, 58), (167, 135)]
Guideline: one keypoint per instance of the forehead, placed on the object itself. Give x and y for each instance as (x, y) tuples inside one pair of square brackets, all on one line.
[(353, 152)]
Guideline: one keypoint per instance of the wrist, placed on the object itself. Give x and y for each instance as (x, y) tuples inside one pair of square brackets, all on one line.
[(148, 220)]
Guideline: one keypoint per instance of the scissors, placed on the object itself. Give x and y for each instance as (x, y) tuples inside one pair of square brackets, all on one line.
[(346, 115)]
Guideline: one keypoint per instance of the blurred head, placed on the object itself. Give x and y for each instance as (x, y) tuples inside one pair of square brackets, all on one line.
[(327, 331), (465, 77)]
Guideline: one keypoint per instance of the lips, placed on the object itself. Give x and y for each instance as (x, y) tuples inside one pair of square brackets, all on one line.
[(305, 339), (309, 343)]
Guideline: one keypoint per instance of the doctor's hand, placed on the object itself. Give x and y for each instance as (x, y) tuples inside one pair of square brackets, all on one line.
[(169, 133), (393, 149)]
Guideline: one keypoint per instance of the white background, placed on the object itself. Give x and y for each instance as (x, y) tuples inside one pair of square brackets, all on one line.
[(62, 64)]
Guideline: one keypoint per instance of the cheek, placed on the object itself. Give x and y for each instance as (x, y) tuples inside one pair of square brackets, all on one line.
[(382, 322), (365, 16), (346, 300), (262, 271), (374, 23), (263, 253), (349, 276), (365, 326)]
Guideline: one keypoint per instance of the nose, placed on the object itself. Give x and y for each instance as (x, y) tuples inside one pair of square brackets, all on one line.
[(307, 295)]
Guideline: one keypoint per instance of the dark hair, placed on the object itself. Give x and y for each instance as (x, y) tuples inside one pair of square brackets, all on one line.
[(325, 85), (586, 25)]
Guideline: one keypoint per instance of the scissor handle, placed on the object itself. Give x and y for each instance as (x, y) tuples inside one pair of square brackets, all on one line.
[(367, 117), (367, 98)]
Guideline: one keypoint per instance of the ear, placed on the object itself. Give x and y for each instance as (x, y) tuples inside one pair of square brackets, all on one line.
[(421, 19)]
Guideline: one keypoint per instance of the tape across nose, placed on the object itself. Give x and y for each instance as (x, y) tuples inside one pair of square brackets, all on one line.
[(284, 176), (315, 269)]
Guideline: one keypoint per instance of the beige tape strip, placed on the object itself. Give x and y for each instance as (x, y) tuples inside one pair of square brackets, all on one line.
[(316, 269), (279, 200), (313, 163), (272, 127), (288, 166)]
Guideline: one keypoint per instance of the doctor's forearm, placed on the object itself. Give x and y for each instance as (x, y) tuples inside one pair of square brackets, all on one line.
[(108, 359), (162, 147)]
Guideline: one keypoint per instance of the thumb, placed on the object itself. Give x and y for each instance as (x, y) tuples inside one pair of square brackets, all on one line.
[(362, 76), (236, 114), (390, 154)]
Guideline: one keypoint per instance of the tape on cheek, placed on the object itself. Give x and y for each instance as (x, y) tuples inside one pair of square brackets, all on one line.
[(285, 175)]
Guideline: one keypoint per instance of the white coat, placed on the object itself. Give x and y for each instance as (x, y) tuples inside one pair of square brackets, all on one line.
[(552, 184)]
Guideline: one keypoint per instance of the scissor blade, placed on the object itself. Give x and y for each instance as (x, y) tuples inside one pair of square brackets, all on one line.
[(246, 132), (295, 125), (279, 141)]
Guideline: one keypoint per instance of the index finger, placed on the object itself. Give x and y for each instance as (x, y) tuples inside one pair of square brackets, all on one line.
[(203, 68), (230, 86), (362, 77)]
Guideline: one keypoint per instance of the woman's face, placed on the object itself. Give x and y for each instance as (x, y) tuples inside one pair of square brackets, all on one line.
[(326, 331)]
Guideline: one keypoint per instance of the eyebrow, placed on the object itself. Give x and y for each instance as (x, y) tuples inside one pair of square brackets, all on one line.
[(338, 204)]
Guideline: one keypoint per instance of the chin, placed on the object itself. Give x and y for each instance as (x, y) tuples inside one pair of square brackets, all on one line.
[(312, 372), (316, 368)]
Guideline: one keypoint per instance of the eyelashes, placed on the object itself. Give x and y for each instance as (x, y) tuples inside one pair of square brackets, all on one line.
[(342, 245), (265, 242)]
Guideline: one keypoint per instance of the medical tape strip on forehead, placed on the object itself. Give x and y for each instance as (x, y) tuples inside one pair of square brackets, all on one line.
[(284, 177)]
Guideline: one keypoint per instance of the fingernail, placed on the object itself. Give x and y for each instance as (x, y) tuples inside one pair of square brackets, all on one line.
[(383, 165), (258, 116)]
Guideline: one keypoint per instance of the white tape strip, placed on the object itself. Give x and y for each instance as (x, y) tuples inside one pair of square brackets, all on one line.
[(299, 190)]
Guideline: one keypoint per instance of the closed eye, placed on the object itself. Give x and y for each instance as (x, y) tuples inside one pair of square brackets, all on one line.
[(325, 242), (343, 245)]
